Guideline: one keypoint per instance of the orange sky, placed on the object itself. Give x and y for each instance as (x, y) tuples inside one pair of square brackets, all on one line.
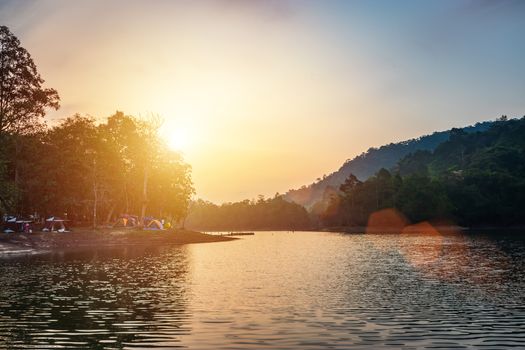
[(260, 96)]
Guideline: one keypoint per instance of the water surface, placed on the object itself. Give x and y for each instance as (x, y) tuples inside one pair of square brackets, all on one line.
[(276, 290)]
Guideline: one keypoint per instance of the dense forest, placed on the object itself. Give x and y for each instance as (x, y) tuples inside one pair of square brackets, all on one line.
[(261, 214), (368, 163), (473, 179), (86, 169)]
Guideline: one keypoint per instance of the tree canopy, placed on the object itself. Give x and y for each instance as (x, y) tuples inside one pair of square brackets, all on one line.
[(262, 214), (77, 162), (23, 99), (473, 179), (80, 167)]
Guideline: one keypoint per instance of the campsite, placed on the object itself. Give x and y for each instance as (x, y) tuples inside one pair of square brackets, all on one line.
[(84, 238), (31, 235), (20, 224)]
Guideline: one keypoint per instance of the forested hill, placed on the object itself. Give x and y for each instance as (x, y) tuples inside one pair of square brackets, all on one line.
[(482, 174), (369, 162), (473, 179)]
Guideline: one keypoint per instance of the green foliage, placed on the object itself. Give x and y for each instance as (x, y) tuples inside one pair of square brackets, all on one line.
[(473, 178), (8, 193), (23, 100), (78, 167), (263, 214), (421, 198), (23, 103), (79, 164), (368, 163)]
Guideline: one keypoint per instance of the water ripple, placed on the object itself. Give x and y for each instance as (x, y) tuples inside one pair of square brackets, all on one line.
[(272, 290)]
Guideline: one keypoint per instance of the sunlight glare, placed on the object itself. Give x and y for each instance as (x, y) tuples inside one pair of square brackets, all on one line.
[(178, 139)]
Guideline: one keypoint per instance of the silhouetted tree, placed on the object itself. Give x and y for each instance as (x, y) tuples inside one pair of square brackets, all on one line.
[(474, 178), (264, 214), (23, 100)]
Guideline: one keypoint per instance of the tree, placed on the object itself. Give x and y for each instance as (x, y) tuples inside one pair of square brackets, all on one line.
[(421, 198), (170, 187), (350, 184), (23, 100), (266, 214), (70, 176)]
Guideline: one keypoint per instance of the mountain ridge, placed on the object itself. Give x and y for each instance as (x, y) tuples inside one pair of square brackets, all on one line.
[(368, 163)]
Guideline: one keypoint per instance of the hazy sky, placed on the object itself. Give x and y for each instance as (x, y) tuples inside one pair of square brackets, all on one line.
[(264, 96)]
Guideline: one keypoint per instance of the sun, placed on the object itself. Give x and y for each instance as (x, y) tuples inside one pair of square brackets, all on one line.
[(178, 139)]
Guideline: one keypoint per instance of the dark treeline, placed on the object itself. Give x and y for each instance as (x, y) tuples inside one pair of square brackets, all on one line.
[(262, 214), (88, 170), (368, 163), (473, 179)]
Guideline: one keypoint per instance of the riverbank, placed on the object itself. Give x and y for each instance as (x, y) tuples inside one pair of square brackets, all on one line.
[(419, 228), (394, 230), (84, 238)]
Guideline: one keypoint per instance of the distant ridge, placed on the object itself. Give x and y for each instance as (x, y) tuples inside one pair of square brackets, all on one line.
[(368, 163)]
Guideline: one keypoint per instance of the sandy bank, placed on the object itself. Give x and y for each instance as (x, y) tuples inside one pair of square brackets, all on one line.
[(13, 243)]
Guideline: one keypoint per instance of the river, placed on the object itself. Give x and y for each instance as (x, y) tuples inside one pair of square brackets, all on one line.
[(286, 290)]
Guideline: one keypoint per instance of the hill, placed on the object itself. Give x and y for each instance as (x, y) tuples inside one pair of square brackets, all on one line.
[(369, 162), (473, 179)]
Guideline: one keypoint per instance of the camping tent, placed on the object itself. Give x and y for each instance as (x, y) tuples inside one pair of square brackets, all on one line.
[(154, 224), (13, 224), (55, 224), (126, 220)]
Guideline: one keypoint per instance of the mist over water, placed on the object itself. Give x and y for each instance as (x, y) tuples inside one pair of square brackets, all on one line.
[(276, 290)]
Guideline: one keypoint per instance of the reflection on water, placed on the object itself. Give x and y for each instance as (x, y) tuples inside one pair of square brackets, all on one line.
[(94, 300), (274, 290)]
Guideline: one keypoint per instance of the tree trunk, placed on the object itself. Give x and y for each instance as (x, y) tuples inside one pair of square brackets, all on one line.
[(17, 169), (127, 197), (95, 200), (95, 195), (110, 213), (144, 196)]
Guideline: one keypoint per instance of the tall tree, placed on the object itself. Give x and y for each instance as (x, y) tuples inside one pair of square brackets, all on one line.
[(23, 100)]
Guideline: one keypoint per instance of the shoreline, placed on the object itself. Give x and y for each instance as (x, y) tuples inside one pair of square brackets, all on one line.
[(414, 229), (40, 242)]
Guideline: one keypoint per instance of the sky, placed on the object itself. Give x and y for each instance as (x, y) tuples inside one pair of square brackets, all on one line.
[(265, 96)]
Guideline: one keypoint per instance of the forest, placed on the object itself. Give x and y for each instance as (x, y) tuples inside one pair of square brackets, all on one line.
[(368, 163), (262, 214), (473, 179), (85, 169)]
